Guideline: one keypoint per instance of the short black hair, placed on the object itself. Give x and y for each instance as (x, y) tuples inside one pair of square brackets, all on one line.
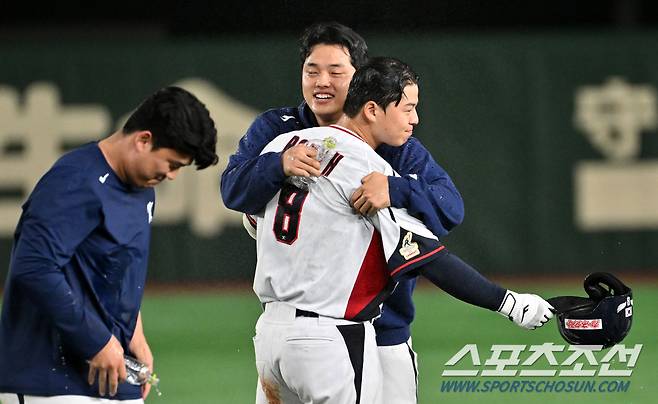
[(179, 121), (334, 33), (381, 80)]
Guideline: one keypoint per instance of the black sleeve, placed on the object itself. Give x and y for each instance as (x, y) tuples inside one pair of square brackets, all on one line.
[(462, 281)]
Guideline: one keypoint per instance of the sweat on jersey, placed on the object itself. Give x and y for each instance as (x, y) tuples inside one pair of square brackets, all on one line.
[(424, 188), (316, 254), (77, 272)]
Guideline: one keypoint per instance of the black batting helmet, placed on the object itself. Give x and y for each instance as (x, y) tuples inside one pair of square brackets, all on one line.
[(603, 318)]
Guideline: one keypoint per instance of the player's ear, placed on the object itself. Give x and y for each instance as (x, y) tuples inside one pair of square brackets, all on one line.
[(143, 140), (370, 111)]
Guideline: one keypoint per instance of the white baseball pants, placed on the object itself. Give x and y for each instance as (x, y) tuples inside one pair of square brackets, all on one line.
[(315, 360), (400, 370), (11, 398)]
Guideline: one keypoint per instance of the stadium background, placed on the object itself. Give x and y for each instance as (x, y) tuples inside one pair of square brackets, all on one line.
[(545, 116)]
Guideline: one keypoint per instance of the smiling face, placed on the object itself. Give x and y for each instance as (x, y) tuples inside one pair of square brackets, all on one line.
[(395, 125), (326, 76)]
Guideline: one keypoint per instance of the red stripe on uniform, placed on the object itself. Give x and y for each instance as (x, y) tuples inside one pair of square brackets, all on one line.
[(401, 267), (372, 279)]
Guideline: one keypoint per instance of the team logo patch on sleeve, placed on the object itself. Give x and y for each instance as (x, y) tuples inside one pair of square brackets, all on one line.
[(409, 249), (593, 324)]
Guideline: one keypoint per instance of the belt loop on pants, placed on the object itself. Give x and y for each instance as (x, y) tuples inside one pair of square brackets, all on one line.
[(281, 311), (304, 313)]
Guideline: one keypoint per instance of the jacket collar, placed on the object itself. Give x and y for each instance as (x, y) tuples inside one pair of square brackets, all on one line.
[(306, 116)]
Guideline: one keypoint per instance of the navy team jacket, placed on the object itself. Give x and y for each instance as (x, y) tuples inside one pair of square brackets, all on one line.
[(77, 272), (424, 189)]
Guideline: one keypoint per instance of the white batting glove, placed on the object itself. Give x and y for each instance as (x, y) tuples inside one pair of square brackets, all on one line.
[(526, 310)]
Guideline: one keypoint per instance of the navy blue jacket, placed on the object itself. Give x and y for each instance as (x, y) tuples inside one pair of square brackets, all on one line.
[(424, 189), (77, 272)]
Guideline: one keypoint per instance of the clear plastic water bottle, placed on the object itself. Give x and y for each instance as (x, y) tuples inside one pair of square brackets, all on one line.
[(302, 183), (323, 148), (138, 373)]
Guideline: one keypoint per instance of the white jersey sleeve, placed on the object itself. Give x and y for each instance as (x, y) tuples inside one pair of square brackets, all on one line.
[(317, 253)]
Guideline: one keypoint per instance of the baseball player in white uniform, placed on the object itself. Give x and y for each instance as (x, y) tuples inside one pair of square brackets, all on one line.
[(323, 270)]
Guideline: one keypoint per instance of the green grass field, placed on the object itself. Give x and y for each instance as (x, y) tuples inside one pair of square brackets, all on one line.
[(204, 354)]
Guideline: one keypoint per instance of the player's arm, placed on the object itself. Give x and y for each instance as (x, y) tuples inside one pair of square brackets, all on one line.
[(425, 189), (411, 249), (465, 283), (251, 179), (61, 213), (141, 351)]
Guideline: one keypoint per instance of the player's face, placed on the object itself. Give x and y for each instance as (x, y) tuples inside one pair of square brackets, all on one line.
[(399, 120), (154, 166), (326, 76)]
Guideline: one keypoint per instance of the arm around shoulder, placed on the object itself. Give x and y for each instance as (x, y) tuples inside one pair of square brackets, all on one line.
[(250, 179), (425, 189)]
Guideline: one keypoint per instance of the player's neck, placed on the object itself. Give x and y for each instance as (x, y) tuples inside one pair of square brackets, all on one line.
[(322, 121), (361, 129), (111, 147)]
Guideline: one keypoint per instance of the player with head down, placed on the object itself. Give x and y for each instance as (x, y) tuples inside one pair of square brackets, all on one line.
[(78, 265), (330, 53), (322, 271)]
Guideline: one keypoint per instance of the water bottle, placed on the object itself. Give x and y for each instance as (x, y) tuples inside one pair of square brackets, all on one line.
[(138, 373), (323, 147)]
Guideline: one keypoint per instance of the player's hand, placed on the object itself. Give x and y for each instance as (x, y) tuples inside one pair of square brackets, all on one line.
[(142, 352), (372, 195), (109, 366), (300, 161), (526, 310)]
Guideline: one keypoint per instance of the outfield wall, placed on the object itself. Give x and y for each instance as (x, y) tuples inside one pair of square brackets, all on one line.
[(551, 139)]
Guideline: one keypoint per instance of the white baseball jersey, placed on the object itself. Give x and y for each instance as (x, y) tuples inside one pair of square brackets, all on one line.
[(316, 253)]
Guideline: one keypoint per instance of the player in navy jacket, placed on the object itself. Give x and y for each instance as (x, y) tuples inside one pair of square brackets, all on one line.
[(380, 108), (250, 181), (424, 188), (80, 253)]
